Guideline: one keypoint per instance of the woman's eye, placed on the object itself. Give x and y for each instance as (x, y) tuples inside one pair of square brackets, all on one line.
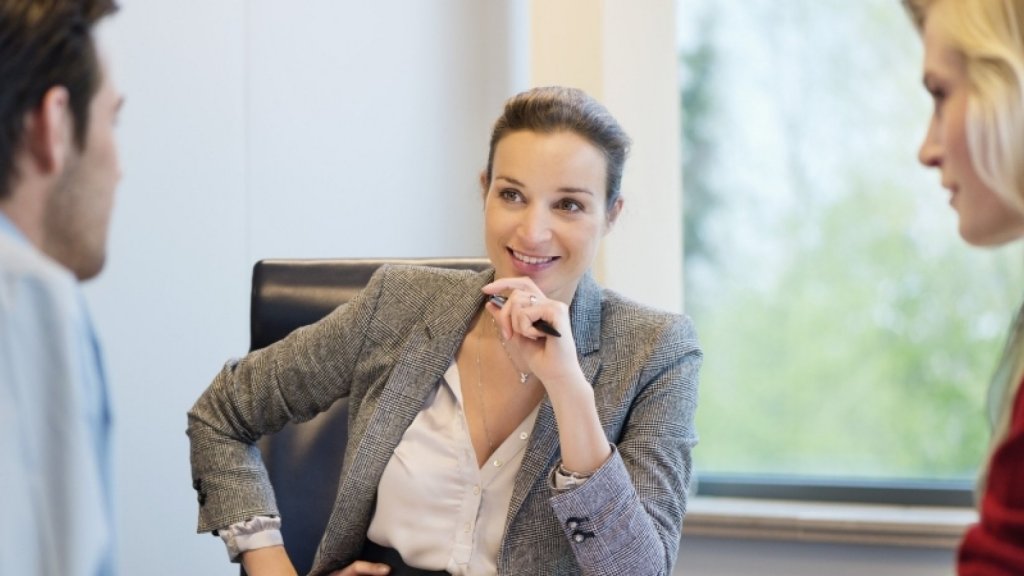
[(938, 98), (510, 195), (569, 205)]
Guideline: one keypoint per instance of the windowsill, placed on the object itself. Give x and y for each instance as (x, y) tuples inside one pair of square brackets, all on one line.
[(912, 526)]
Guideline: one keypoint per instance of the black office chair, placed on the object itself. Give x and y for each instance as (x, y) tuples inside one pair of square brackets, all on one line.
[(304, 460)]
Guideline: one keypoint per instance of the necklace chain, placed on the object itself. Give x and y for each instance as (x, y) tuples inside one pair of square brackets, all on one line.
[(524, 377), (483, 403)]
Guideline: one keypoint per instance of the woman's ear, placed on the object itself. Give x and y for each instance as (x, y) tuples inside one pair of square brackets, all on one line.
[(484, 184), (613, 214)]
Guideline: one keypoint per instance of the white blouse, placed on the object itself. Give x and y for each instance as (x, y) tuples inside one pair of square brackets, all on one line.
[(434, 505)]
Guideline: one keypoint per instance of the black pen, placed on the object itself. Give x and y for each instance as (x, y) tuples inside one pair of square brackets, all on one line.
[(540, 324)]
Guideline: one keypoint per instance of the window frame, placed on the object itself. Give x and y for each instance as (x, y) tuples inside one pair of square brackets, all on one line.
[(940, 493), (648, 106)]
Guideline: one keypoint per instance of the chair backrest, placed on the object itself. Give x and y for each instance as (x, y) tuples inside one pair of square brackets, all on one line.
[(304, 460)]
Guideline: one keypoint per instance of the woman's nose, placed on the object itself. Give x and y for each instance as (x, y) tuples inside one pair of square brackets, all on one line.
[(535, 228), (930, 153)]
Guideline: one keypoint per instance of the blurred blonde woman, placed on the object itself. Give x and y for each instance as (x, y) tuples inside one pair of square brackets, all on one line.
[(974, 70)]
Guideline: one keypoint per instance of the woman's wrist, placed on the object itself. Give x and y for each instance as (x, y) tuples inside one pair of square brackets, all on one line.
[(571, 387), (270, 561), (565, 479), (582, 439)]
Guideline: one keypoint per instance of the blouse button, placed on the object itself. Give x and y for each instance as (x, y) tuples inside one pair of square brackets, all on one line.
[(476, 490), (523, 435), (497, 463)]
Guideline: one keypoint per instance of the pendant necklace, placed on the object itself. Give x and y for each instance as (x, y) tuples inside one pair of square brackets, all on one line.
[(524, 377)]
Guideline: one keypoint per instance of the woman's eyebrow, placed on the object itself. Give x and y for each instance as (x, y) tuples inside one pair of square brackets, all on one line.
[(564, 189), (575, 190), (510, 180)]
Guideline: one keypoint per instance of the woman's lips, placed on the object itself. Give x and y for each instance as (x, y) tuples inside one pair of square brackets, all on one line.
[(527, 263)]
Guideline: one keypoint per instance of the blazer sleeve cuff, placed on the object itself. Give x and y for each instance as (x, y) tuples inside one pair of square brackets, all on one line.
[(604, 520), (256, 532)]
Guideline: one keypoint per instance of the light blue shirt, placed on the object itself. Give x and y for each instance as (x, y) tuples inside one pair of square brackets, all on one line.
[(56, 508)]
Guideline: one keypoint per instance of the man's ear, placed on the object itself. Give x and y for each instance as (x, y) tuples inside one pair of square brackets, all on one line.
[(613, 214), (49, 131)]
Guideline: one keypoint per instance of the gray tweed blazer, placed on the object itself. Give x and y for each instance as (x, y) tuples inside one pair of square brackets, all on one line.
[(387, 350)]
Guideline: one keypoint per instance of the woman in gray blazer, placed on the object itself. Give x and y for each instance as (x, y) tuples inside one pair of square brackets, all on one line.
[(547, 431)]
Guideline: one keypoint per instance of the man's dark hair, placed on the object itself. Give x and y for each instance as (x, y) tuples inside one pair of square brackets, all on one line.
[(45, 43)]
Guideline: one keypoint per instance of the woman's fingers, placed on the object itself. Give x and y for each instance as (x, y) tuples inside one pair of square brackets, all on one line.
[(531, 315), (505, 285), (530, 311), (363, 568), (520, 310)]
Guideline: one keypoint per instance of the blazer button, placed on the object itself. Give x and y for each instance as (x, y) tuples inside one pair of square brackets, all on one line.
[(581, 535), (574, 522)]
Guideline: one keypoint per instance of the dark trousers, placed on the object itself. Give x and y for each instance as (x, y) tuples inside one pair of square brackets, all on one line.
[(373, 552)]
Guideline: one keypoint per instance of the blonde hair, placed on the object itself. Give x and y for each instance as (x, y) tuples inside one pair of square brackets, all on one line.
[(987, 33)]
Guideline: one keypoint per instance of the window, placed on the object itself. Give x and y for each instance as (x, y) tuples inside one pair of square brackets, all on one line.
[(849, 332)]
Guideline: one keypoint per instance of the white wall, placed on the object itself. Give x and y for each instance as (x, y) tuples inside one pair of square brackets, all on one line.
[(368, 125), (170, 307), (253, 129)]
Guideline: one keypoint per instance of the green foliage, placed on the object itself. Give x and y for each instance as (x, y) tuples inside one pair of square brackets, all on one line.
[(865, 358)]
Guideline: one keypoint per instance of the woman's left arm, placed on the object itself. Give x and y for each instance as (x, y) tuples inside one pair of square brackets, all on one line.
[(627, 516)]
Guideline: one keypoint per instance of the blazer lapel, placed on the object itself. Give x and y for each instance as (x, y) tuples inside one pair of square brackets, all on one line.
[(420, 362), (419, 366)]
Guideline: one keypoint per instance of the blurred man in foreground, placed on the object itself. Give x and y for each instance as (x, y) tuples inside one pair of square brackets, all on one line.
[(58, 171)]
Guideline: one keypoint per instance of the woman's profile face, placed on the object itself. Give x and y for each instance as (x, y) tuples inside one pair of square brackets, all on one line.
[(984, 218), (545, 209)]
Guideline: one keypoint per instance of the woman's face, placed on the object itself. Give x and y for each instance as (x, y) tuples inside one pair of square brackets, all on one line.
[(985, 219), (545, 209)]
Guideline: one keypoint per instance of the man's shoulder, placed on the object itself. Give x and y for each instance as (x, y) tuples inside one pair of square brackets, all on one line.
[(32, 278)]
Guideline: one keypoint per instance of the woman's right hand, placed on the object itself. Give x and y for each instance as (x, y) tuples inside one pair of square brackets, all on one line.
[(361, 568), (274, 561)]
